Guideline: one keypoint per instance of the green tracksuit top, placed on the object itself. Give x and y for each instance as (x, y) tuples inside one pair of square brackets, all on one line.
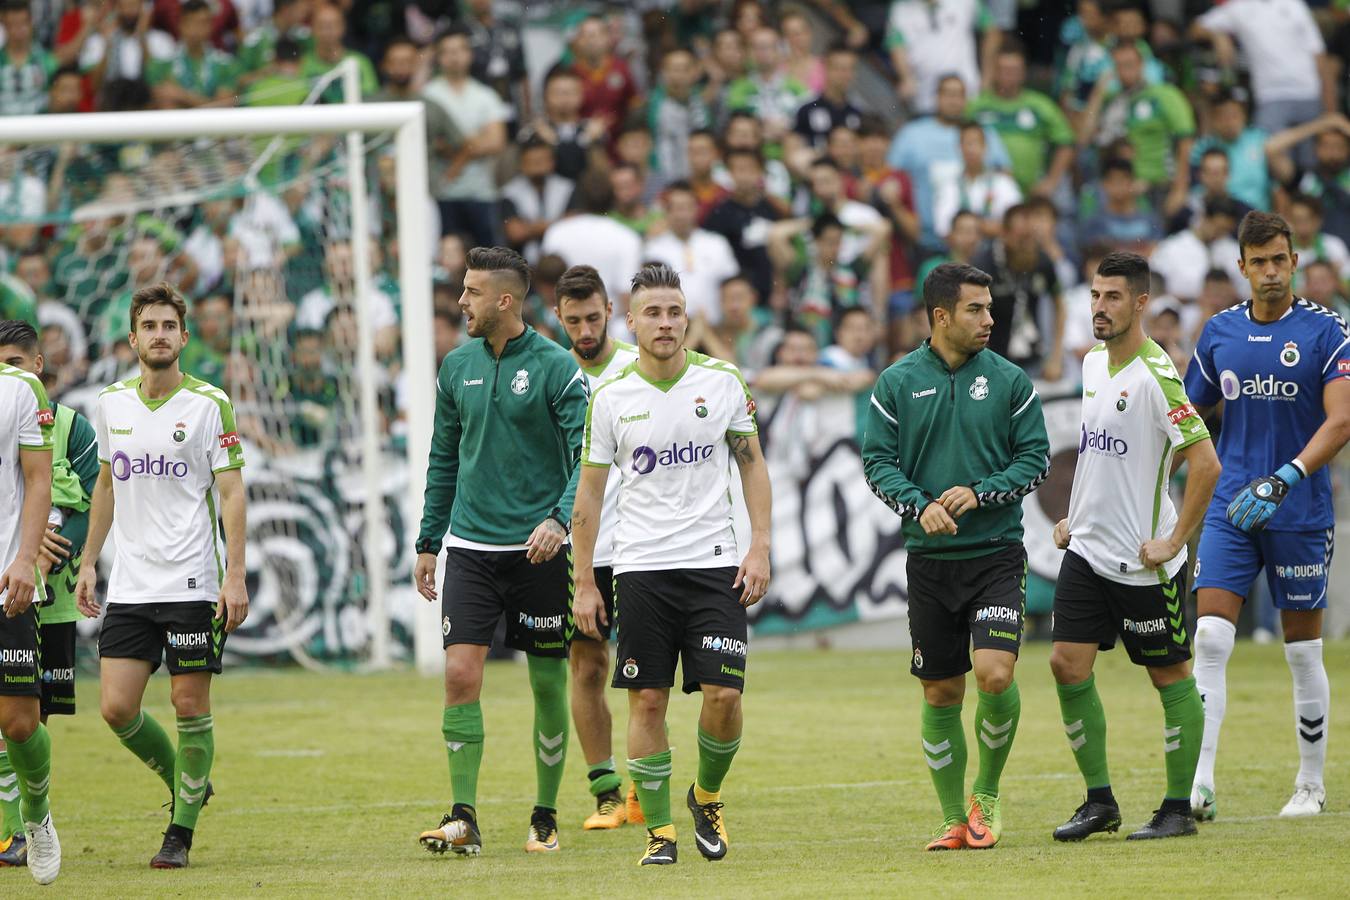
[(930, 428), (506, 448)]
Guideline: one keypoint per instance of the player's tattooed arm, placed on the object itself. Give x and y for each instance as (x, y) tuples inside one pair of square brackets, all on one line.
[(742, 448)]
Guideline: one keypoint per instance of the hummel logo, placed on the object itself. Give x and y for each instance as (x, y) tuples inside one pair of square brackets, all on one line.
[(713, 847), (924, 393), (471, 382), (1090, 394)]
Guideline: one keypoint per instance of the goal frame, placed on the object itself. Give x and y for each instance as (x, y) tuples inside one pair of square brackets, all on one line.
[(407, 123)]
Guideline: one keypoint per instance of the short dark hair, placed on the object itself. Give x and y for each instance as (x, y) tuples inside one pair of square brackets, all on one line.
[(741, 151), (1223, 206), (942, 287), (1130, 266), (286, 49), (535, 142), (192, 7), (1010, 46), (824, 221), (453, 31), (824, 162), (743, 279), (1214, 151), (1261, 228), (594, 194), (840, 47), (502, 259), (873, 126), (655, 275), (581, 282), (156, 295), (16, 333), (680, 186), (1217, 274), (970, 125), (549, 269), (1117, 164), (11, 6), (1013, 212), (1308, 200), (560, 72)]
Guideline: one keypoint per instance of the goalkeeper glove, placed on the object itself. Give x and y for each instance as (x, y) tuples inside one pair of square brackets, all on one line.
[(1253, 507)]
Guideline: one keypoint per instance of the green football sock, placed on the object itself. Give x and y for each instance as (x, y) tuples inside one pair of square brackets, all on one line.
[(996, 718), (1183, 727), (604, 778), (651, 777), (1085, 723), (145, 738), (32, 761), (192, 767), (12, 822), (714, 759), (944, 749), (548, 681), (462, 727)]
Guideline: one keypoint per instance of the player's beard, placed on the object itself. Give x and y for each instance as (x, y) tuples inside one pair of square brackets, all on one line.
[(1111, 330), (159, 363), (594, 350)]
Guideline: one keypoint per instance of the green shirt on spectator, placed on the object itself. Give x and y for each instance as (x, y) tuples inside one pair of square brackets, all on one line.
[(1030, 125), (17, 300), (206, 75), (1155, 117), (311, 67), (23, 86), (259, 47)]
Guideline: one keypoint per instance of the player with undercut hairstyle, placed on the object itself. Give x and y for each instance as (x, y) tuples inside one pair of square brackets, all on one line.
[(1124, 572), (1280, 365), (671, 422), (584, 309), (170, 464), (955, 439), (502, 473)]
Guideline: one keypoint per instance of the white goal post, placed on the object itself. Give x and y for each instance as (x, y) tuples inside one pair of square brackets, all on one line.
[(355, 120)]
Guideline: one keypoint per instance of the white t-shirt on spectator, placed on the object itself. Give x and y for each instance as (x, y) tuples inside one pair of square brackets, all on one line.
[(472, 108), (312, 313), (988, 195), (940, 40), (1183, 259), (22, 198), (615, 250), (263, 227), (1281, 42), (125, 59), (704, 262), (532, 204)]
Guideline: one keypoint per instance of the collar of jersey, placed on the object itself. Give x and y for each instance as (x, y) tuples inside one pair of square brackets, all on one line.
[(667, 384), (937, 358), (512, 345), (1287, 313), (1113, 371), (153, 405), (598, 369)]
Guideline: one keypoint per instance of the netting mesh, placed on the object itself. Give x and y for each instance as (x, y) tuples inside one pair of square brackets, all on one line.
[(257, 233)]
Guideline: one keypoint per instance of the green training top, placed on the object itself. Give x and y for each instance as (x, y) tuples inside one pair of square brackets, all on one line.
[(930, 428), (506, 447), (74, 473)]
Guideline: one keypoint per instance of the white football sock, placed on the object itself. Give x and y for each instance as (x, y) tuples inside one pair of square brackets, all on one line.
[(1312, 701), (1214, 636)]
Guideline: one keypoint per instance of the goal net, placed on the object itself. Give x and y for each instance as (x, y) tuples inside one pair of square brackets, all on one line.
[(281, 227)]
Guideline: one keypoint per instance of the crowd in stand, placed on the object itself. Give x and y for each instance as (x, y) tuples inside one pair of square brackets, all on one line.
[(803, 164)]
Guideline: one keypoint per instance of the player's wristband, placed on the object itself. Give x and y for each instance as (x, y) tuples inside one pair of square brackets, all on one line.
[(1291, 473), (427, 545)]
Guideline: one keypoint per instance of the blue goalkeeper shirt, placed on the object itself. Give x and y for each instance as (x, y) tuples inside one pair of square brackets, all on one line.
[(1271, 376)]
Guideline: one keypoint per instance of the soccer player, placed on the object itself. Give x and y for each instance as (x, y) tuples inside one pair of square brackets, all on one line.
[(510, 408), (955, 439), (169, 474), (1125, 570), (25, 500), (74, 471), (670, 422), (1281, 366), (584, 309)]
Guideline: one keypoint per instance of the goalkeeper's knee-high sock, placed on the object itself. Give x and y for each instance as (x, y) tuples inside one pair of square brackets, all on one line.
[(1214, 637), (714, 759), (1183, 728), (944, 749), (145, 738), (462, 727), (192, 767), (995, 725), (32, 761), (11, 822), (548, 681), (1312, 703), (1085, 724), (651, 778)]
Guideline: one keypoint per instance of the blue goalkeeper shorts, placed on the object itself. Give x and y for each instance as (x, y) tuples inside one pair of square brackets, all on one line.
[(1297, 563)]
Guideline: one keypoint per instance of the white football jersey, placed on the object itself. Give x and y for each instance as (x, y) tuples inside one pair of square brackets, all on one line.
[(1134, 418), (164, 455), (623, 354), (26, 422), (669, 442)]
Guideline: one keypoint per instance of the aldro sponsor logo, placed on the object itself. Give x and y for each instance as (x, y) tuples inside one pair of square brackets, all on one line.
[(1316, 570), (541, 623), (646, 459), (1148, 626), (1101, 442), (126, 467), (188, 640), (1258, 387), (719, 644)]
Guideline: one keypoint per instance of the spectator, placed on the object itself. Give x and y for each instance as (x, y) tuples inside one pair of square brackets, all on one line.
[(1321, 284), (122, 44), (726, 64), (860, 221), (66, 93), (197, 74), (1212, 181), (1208, 244), (398, 68), (312, 390), (534, 199), (816, 119), (498, 55), (147, 264), (1164, 326), (962, 243), (768, 92), (743, 331), (258, 49), (842, 149), (207, 240), (1329, 177), (1078, 334), (1046, 226), (891, 191), (1285, 54), (675, 111), (330, 27), (629, 208), (23, 202), (211, 324), (447, 328), (1217, 294), (1121, 223), (634, 147), (338, 291), (929, 149), (562, 126), (1028, 306), (1311, 243), (823, 282), (1245, 146), (1031, 125), (987, 194), (466, 187), (17, 300), (703, 258), (1155, 119), (26, 67), (541, 303), (609, 90), (803, 64), (744, 132), (1088, 58), (590, 236), (855, 337), (280, 83), (744, 219), (705, 164), (931, 39), (797, 373)]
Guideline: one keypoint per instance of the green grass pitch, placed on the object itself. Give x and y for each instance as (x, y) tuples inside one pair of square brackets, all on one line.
[(324, 781)]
